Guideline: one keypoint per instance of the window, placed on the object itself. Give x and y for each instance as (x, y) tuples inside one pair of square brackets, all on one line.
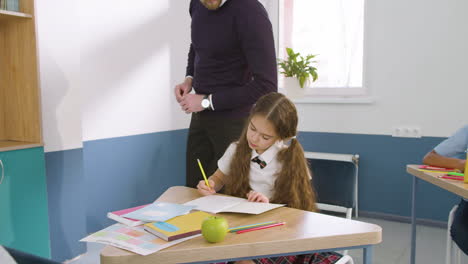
[(332, 29)]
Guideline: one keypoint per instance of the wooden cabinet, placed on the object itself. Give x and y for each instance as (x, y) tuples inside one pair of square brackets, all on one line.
[(24, 220), (20, 117)]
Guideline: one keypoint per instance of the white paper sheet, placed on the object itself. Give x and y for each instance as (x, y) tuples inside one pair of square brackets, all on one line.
[(134, 239), (217, 204)]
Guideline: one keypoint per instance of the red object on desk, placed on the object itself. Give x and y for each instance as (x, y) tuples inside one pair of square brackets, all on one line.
[(451, 177), (427, 167), (260, 227)]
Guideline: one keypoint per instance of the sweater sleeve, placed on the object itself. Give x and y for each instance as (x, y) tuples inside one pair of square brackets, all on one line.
[(191, 54), (255, 34)]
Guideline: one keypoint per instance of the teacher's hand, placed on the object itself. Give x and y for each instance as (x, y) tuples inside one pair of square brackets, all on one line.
[(182, 89), (191, 103)]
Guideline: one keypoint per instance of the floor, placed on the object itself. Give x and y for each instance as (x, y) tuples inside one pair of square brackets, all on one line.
[(394, 249)]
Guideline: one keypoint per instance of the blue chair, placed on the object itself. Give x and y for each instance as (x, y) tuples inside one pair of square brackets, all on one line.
[(335, 178), (453, 254)]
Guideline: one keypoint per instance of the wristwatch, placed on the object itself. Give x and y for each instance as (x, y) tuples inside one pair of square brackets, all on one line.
[(205, 103)]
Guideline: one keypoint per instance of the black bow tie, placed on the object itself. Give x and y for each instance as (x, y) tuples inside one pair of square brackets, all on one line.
[(260, 162)]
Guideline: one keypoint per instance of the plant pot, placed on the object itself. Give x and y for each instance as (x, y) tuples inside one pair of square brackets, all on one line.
[(293, 89)]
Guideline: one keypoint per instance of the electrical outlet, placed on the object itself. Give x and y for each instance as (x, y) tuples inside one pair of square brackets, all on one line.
[(407, 131)]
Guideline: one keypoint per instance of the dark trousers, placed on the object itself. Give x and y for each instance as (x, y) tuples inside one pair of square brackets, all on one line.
[(208, 138), (26, 258), (459, 228)]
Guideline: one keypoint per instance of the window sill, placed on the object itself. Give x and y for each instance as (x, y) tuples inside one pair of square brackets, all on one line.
[(333, 96), (334, 100)]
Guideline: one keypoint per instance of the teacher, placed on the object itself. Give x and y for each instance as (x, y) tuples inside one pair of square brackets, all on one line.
[(231, 63)]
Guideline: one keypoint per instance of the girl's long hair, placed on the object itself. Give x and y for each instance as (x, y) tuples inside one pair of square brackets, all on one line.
[(292, 185)]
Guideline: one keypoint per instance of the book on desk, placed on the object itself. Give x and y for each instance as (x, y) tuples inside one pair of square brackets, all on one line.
[(159, 211), (117, 216), (178, 227)]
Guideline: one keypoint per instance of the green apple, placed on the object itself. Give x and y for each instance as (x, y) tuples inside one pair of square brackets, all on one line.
[(214, 229)]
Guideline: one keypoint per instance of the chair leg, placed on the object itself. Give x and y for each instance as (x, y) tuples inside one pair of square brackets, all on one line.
[(349, 214), (448, 250), (356, 194), (346, 259)]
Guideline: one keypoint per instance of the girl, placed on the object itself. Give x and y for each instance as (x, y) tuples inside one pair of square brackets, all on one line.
[(262, 168)]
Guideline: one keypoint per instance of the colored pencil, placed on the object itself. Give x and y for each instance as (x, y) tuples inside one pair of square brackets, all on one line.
[(260, 227), (455, 174), (431, 168), (203, 172), (451, 178), (238, 228), (433, 171)]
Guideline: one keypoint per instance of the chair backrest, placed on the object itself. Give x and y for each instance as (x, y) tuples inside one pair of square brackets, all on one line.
[(334, 177)]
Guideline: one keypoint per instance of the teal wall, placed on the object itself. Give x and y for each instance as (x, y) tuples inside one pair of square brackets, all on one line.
[(23, 202)]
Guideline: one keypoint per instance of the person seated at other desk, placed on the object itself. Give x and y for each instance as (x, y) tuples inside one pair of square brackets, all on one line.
[(451, 153), (266, 169)]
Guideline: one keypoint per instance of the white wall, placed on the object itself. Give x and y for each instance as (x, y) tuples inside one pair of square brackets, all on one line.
[(124, 59), (132, 55), (415, 63), (59, 63), (121, 60), (272, 7)]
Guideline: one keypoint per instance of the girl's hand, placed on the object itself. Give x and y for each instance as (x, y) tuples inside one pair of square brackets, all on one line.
[(205, 190), (254, 196)]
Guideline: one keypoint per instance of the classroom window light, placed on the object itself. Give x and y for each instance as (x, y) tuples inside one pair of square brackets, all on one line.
[(333, 29)]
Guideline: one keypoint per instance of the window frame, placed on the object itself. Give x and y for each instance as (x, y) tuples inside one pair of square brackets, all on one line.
[(362, 93)]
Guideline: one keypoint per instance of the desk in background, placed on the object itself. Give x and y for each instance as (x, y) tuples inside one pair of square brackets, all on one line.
[(457, 187), (304, 232)]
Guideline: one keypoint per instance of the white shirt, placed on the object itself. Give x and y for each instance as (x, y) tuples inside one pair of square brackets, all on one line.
[(261, 180)]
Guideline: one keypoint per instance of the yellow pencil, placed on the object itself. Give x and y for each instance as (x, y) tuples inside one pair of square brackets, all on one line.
[(203, 172)]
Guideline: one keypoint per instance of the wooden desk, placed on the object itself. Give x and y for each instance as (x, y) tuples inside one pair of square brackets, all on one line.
[(304, 232), (453, 186)]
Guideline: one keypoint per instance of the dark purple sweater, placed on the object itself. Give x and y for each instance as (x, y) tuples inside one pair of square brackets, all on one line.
[(232, 55)]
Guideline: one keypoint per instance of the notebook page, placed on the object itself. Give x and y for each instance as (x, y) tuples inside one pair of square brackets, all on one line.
[(215, 203), (252, 207)]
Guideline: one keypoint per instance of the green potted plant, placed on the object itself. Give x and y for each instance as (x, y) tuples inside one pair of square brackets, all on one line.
[(297, 70)]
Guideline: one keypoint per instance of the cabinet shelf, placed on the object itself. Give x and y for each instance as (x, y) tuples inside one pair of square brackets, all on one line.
[(6, 15), (7, 145), (20, 120)]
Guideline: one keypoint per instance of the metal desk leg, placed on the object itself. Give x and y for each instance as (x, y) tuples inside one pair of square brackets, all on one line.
[(413, 221), (367, 255)]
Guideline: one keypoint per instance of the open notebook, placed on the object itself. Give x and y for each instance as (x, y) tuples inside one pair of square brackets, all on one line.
[(217, 204)]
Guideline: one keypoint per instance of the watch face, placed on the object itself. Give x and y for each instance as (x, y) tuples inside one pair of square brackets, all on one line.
[(205, 103)]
